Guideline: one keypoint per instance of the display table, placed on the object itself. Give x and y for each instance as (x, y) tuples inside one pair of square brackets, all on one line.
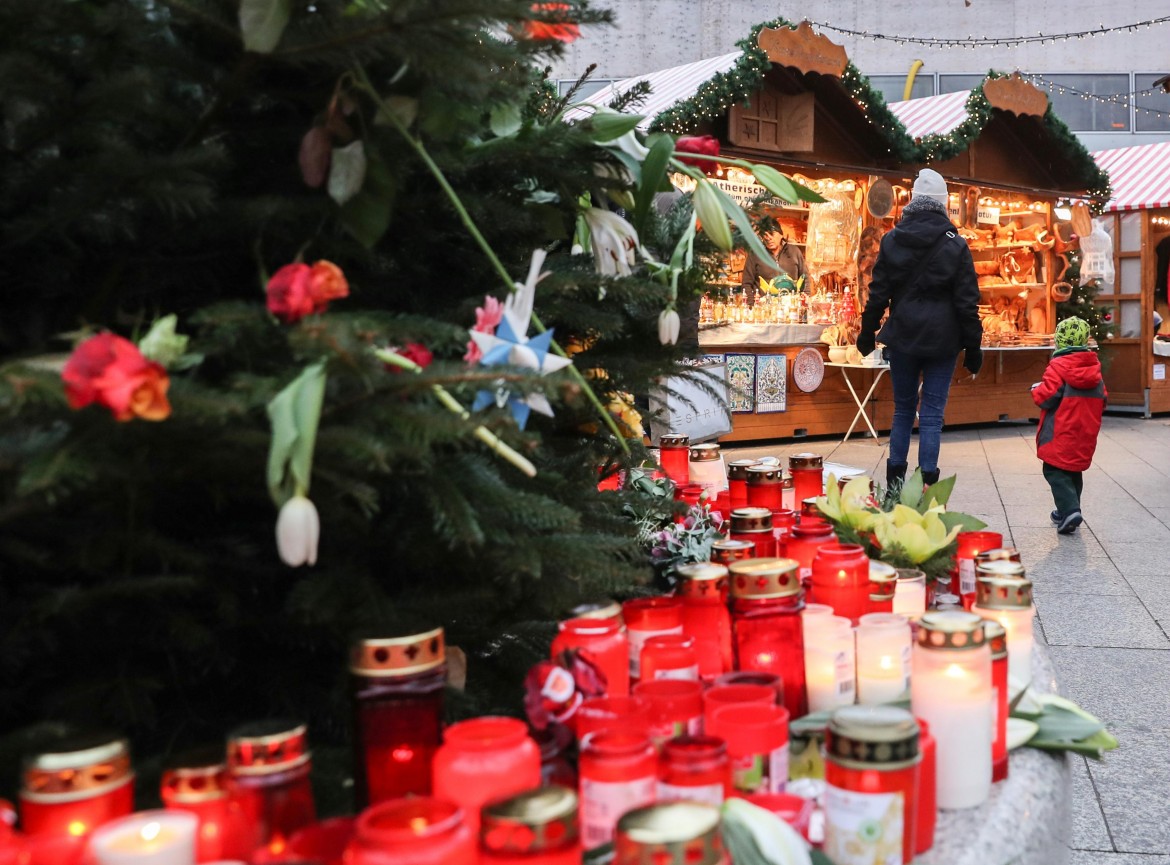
[(736, 334), (862, 402)]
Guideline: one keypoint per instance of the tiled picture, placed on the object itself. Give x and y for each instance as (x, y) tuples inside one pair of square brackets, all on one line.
[(714, 358), (771, 383), (741, 380)]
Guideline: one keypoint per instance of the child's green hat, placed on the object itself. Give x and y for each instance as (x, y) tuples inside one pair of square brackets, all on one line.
[(1072, 332)]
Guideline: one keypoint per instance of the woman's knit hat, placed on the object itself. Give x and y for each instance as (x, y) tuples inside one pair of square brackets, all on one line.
[(930, 184), (1072, 332)]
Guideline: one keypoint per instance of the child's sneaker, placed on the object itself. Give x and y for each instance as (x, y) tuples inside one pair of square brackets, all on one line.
[(1055, 515), (1069, 524)]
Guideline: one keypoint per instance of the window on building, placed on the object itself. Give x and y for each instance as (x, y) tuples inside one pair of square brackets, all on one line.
[(1089, 103), (893, 87), (1152, 112), (587, 89), (955, 83)]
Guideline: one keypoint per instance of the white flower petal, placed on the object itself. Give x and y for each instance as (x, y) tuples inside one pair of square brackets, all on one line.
[(298, 529)]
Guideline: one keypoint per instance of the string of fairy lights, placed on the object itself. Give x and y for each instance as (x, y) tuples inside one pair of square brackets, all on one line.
[(1120, 100), (995, 41)]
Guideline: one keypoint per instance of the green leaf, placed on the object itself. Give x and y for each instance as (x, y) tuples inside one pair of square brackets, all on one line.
[(741, 220), (506, 120), (367, 215), (939, 493), (912, 490), (965, 522), (776, 182), (607, 125), (741, 844), (819, 858), (262, 23), (294, 414), (653, 175)]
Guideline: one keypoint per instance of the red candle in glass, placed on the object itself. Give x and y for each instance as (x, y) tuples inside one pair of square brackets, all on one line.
[(646, 618), (75, 786), (883, 583), (417, 831), (757, 742), (396, 687), (694, 769), (807, 475), (764, 486), (871, 769), (997, 639), (671, 656), (198, 783), (783, 519), (619, 772), (927, 806), (605, 608), (604, 642), (804, 539), (796, 811), (674, 453), (718, 696), (555, 743), (756, 677), (690, 495), (268, 778), (737, 475), (484, 759), (968, 546), (769, 634), (538, 827), (840, 578), (676, 707), (625, 712), (323, 842), (724, 551), (702, 588), (755, 525)]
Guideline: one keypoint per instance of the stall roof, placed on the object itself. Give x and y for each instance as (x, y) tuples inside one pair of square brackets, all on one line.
[(932, 115), (1140, 176)]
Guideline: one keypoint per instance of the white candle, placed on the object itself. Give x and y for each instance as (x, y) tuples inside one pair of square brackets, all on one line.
[(829, 665), (883, 658), (1009, 602), (950, 689), (910, 593), (146, 838)]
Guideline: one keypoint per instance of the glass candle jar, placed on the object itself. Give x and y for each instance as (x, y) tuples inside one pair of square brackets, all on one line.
[(999, 554), (619, 772), (396, 687), (604, 643), (606, 609), (910, 593), (707, 469), (997, 640), (883, 584), (694, 769), (420, 830), (871, 763), (755, 525), (676, 707), (672, 833), (674, 455), (538, 827), (757, 743), (725, 551), (322, 842), (788, 494), (969, 545), (145, 838), (783, 519), (769, 636), (671, 656), (804, 539), (764, 486), (737, 480), (485, 759), (883, 658), (702, 588), (79, 783), (754, 677), (268, 778), (197, 783), (809, 509), (718, 696), (626, 712), (950, 688), (690, 495), (556, 743), (927, 809), (840, 578), (646, 618), (1004, 593), (807, 475), (829, 662)]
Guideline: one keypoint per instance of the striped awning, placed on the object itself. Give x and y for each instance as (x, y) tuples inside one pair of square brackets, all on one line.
[(667, 87), (1140, 176), (932, 115)]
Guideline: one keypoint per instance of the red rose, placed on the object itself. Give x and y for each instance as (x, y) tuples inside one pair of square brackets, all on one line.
[(112, 372), (708, 145), (563, 31), (297, 290), (414, 351)]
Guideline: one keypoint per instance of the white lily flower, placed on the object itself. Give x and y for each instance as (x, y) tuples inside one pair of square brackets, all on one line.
[(614, 242), (298, 528), (668, 324)]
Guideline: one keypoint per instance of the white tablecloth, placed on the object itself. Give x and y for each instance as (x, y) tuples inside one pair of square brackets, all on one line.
[(760, 334)]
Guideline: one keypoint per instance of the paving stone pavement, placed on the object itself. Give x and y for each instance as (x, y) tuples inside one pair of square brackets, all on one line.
[(1102, 602)]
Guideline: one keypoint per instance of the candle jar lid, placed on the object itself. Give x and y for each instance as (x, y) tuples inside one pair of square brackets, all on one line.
[(950, 629), (996, 638), (725, 551), (669, 833), (704, 453), (200, 776), (267, 747), (751, 520), (602, 609), (765, 578), (883, 581), (737, 470), (387, 657), (1000, 568), (764, 474), (872, 737), (805, 461), (999, 554), (531, 822), (701, 579), (76, 767), (1003, 593), (674, 440), (910, 575), (769, 461)]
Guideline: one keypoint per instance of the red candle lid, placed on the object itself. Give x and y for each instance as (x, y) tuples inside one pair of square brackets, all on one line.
[(674, 440), (737, 470), (750, 728), (656, 613), (764, 474), (999, 554), (386, 657), (77, 767), (725, 551), (872, 737), (806, 461), (765, 578), (1003, 593), (603, 609), (532, 822), (267, 747), (751, 520), (199, 776), (671, 699), (701, 579), (402, 821)]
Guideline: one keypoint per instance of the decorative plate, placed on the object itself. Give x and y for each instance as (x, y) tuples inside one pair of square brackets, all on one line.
[(808, 369), (880, 200)]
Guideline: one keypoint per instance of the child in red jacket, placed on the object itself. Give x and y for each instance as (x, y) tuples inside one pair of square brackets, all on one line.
[(1072, 398)]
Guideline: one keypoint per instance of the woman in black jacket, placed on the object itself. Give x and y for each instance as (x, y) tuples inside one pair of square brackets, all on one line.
[(925, 274)]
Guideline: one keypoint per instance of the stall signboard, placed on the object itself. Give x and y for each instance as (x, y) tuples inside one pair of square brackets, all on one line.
[(690, 406)]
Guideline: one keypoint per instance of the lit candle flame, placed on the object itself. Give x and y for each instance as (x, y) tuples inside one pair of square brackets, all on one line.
[(150, 831), (954, 671), (886, 663), (418, 825), (77, 828)]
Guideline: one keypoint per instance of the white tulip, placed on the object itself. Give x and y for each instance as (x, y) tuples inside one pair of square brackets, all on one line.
[(711, 215), (668, 327), (298, 529), (614, 242)]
